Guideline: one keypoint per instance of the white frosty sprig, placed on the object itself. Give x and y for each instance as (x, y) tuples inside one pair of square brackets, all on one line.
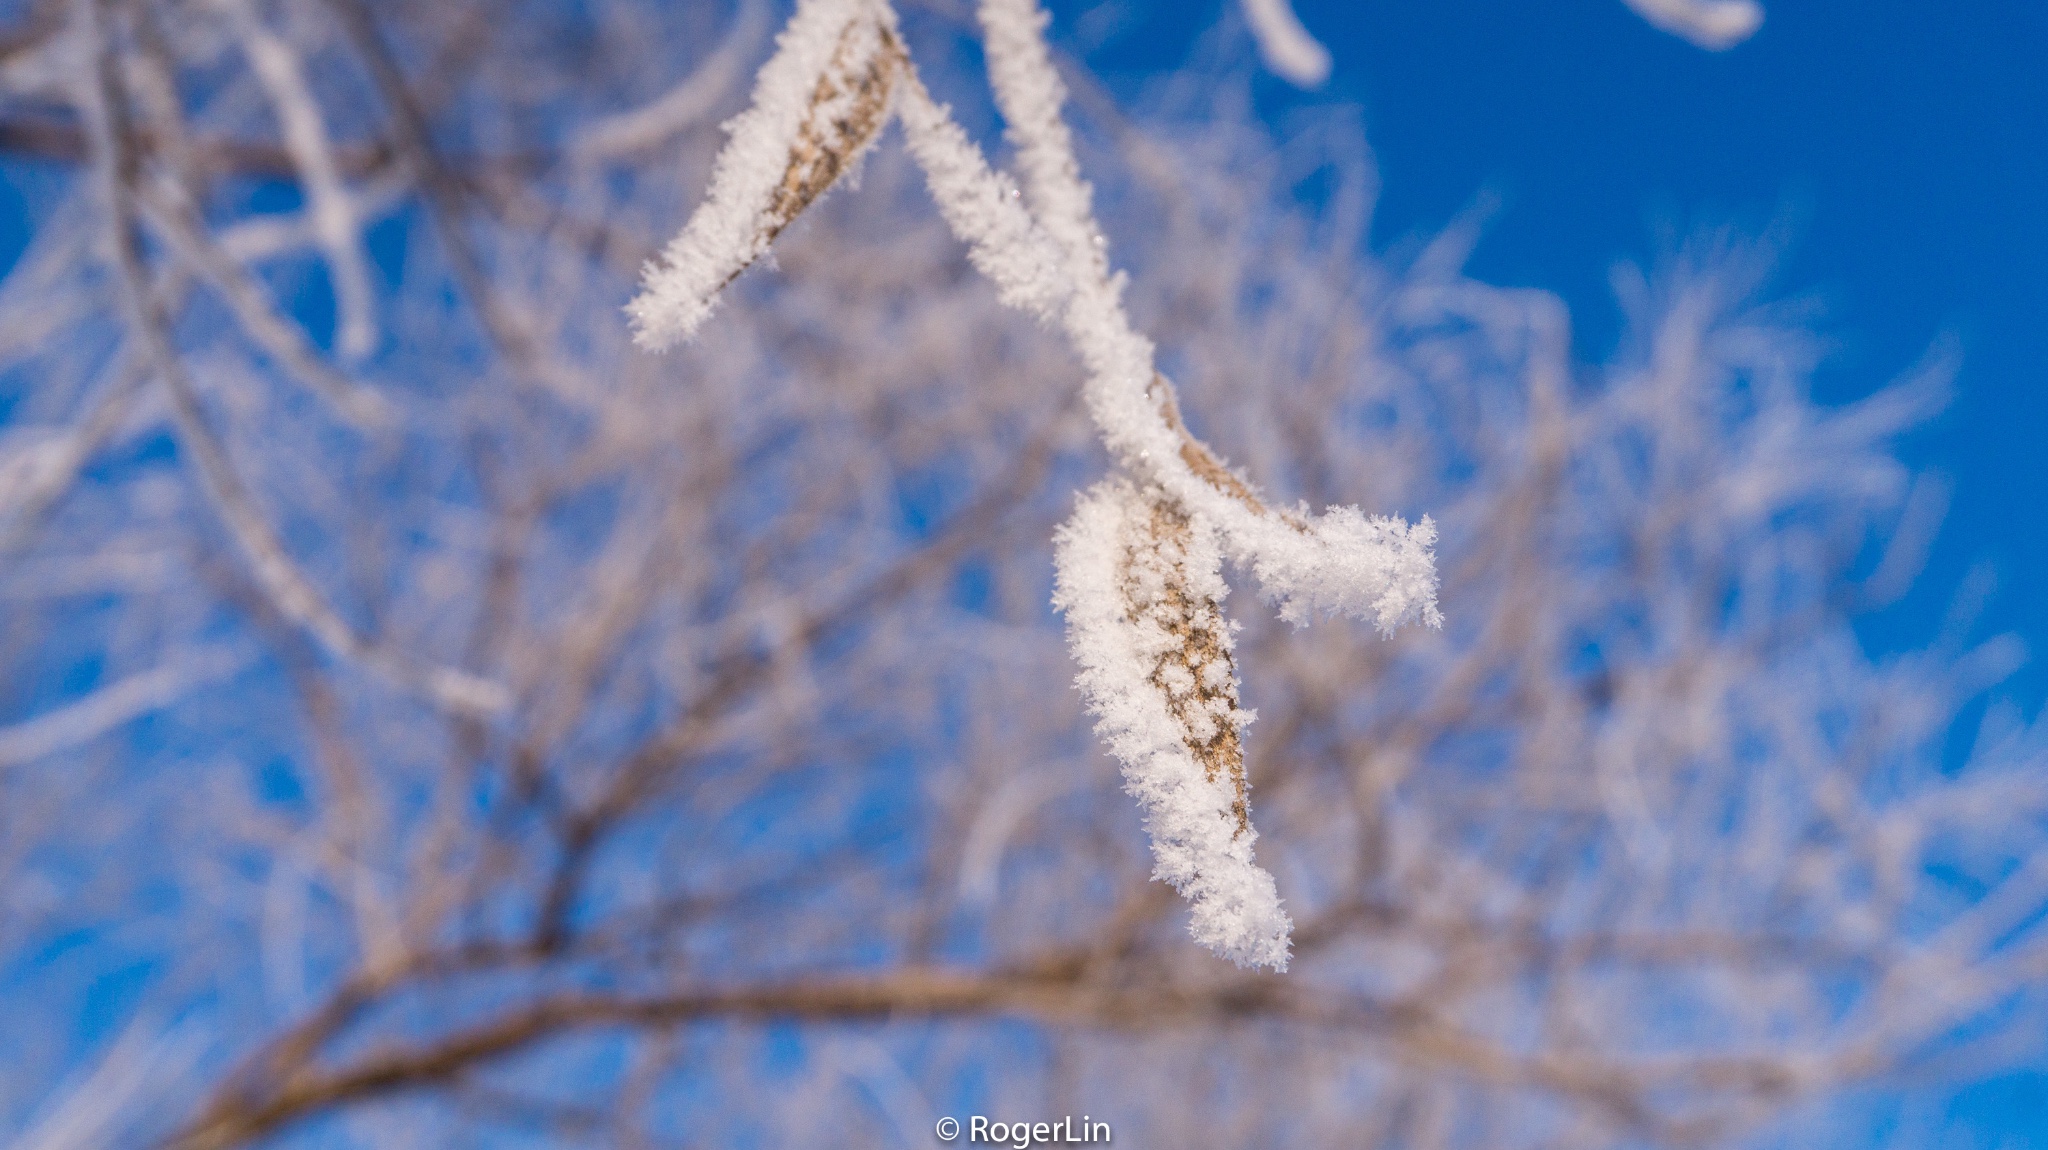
[(1140, 563), (819, 103), (984, 209)]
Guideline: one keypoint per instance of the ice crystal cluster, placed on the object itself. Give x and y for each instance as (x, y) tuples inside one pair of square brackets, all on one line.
[(1141, 562)]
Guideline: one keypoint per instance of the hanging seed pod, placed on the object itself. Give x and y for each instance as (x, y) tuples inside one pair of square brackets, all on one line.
[(847, 109), (1194, 671), (1141, 583), (818, 105)]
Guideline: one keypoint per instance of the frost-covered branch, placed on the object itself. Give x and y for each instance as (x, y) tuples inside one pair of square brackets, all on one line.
[(983, 208), (818, 105)]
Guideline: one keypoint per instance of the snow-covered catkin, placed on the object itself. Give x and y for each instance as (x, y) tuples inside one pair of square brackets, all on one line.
[(1141, 584), (819, 103)]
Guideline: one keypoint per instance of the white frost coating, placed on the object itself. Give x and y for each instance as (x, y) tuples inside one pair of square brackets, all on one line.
[(1029, 92), (1374, 568), (1117, 585), (982, 208), (1711, 24), (736, 222), (1285, 45)]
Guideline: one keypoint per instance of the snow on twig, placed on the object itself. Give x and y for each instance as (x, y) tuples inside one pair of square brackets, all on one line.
[(981, 207), (1373, 568)]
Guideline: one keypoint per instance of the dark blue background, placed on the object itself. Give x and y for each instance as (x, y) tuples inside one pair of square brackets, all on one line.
[(1906, 142)]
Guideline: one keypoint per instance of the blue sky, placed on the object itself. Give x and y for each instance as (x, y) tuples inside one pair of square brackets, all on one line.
[(1905, 144)]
